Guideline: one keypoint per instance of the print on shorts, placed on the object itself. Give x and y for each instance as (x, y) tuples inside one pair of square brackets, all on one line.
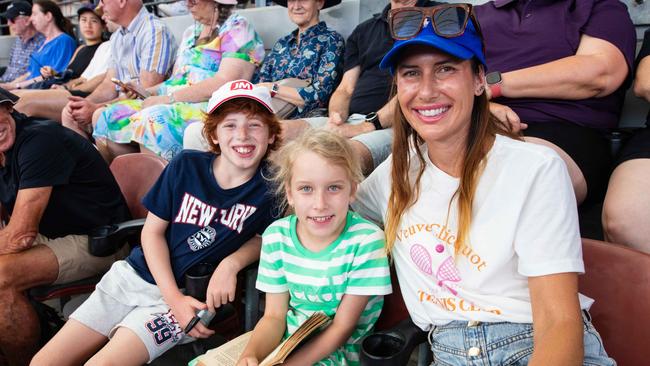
[(164, 327)]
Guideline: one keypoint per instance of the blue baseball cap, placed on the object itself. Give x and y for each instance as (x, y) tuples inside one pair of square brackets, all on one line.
[(464, 47)]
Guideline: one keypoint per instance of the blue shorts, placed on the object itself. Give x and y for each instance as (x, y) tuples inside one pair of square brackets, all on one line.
[(475, 343)]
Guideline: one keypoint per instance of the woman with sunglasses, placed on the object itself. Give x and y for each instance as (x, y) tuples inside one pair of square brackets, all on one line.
[(482, 227), (57, 49), (221, 46)]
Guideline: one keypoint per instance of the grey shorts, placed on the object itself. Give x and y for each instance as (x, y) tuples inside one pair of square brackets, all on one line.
[(123, 299), (379, 143), (75, 262)]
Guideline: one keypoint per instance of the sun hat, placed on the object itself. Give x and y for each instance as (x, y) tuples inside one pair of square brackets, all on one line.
[(464, 47), (240, 89), (328, 3), (8, 97), (17, 8)]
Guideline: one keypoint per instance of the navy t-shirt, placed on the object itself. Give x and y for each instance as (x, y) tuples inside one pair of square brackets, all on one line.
[(206, 222)]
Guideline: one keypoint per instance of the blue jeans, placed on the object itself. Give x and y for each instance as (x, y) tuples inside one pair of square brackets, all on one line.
[(486, 344)]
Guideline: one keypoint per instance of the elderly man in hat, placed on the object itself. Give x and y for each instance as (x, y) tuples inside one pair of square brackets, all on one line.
[(56, 188), (27, 39)]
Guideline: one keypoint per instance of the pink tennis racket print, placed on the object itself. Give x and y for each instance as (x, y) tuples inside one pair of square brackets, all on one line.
[(447, 271)]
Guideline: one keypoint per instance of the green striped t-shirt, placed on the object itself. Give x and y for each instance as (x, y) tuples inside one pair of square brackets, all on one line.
[(355, 263)]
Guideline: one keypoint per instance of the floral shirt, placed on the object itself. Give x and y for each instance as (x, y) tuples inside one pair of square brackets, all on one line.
[(317, 57), (236, 39)]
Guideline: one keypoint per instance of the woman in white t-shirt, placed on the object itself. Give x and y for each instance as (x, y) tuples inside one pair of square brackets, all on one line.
[(482, 226)]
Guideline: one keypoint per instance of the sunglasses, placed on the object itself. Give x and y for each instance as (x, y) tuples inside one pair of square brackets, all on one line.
[(449, 20)]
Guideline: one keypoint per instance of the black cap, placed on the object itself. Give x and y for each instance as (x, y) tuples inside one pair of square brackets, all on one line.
[(7, 97), (328, 3), (17, 8), (89, 8)]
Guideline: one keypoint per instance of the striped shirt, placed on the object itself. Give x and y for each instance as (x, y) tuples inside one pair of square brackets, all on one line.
[(145, 45), (19, 57), (354, 264)]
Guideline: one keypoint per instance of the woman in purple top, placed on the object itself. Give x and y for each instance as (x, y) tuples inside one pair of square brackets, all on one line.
[(561, 68)]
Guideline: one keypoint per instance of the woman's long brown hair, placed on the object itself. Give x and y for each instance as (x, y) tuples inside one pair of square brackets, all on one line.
[(404, 193)]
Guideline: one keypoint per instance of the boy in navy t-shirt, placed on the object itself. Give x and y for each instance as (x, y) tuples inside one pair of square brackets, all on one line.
[(205, 207)]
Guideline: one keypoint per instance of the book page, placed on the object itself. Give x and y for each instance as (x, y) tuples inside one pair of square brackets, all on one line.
[(284, 349), (227, 354)]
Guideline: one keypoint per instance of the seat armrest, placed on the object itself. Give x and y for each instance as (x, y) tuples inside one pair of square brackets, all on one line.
[(393, 346), (108, 239)]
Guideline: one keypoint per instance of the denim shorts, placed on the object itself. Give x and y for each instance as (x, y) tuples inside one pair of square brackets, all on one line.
[(475, 343)]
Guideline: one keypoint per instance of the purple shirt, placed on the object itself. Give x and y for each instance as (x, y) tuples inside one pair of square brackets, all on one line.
[(524, 33)]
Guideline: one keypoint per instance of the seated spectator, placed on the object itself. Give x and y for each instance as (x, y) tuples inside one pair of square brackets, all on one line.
[(626, 210), (91, 27), (49, 103), (142, 52), (27, 39), (482, 227), (312, 52), (221, 46), (57, 49), (359, 107), (565, 77), (57, 188), (138, 307)]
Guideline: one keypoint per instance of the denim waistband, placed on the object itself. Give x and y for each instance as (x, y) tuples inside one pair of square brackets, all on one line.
[(586, 317)]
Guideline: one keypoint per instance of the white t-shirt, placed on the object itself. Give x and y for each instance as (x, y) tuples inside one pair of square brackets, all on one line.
[(524, 223), (100, 61)]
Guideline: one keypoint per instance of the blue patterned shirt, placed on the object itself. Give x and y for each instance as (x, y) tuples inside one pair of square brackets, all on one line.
[(19, 57), (318, 57)]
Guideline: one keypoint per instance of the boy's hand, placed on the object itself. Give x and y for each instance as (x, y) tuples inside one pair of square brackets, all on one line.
[(248, 361), (184, 309), (222, 286)]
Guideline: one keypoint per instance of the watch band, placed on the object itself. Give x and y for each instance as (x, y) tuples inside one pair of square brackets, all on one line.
[(373, 118), (494, 82)]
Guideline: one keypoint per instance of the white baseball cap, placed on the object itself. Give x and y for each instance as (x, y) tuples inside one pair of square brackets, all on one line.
[(240, 89), (227, 2)]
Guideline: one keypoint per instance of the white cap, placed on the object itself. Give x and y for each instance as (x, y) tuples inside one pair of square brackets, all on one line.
[(227, 2), (240, 89)]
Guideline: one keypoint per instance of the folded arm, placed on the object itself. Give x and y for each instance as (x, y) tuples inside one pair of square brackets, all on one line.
[(21, 231)]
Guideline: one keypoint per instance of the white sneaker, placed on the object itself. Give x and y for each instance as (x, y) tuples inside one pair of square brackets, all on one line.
[(173, 9)]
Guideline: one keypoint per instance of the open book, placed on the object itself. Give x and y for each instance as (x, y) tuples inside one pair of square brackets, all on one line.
[(228, 354)]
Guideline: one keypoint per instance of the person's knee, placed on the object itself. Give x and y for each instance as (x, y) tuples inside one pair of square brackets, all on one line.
[(43, 358), (365, 157), (616, 221)]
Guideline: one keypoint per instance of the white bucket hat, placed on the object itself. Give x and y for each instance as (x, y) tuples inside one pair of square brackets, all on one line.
[(240, 89)]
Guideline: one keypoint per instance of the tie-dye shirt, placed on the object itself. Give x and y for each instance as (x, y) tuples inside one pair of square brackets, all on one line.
[(317, 57)]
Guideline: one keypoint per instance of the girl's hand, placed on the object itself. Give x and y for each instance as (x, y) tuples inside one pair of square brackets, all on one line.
[(222, 286), (184, 309), (248, 361)]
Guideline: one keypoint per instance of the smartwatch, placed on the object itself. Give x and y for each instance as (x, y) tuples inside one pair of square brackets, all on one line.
[(494, 82), (373, 118), (275, 89)]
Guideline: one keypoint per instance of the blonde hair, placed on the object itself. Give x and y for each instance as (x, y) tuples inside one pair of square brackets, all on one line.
[(328, 145), (404, 193)]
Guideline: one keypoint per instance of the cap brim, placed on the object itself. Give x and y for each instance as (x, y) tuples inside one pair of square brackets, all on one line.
[(8, 97), (269, 108)]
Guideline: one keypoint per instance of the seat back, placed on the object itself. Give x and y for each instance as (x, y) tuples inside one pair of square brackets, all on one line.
[(135, 174), (618, 279), (394, 310)]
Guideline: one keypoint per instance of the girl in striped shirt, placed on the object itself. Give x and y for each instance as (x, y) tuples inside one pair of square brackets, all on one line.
[(320, 258)]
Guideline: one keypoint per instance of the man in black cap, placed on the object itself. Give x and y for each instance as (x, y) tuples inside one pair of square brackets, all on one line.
[(27, 39), (56, 188)]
